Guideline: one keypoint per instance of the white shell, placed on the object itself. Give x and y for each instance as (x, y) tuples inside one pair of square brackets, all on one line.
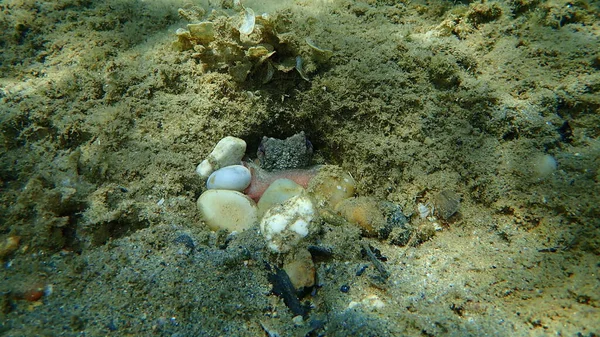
[(235, 177), (228, 151), (229, 210), (247, 26)]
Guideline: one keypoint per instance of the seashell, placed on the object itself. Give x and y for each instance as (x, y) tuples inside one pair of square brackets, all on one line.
[(269, 74), (320, 54), (424, 210), (182, 32), (248, 22), (286, 65), (203, 31), (300, 69), (257, 52), (446, 204), (235, 178)]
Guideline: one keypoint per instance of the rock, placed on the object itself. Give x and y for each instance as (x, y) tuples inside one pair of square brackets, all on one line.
[(446, 204), (300, 269), (277, 154), (284, 226), (277, 193), (375, 218), (331, 185), (228, 151), (234, 177), (229, 210)]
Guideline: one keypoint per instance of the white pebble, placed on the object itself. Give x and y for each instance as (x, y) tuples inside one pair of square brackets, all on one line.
[(235, 177), (229, 210), (228, 151)]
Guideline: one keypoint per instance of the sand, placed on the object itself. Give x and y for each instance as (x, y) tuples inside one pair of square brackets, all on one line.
[(103, 121)]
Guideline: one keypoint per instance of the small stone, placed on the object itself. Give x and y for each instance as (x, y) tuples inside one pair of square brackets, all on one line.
[(331, 185), (228, 151), (446, 204), (277, 154), (277, 193), (300, 269), (262, 179), (185, 240), (229, 210), (374, 217), (284, 226), (234, 177), (319, 54), (9, 245)]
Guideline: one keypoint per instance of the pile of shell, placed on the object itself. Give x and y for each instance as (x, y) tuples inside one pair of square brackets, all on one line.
[(247, 45)]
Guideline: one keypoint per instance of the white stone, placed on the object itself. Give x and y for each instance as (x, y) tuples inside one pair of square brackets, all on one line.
[(285, 225), (234, 177), (229, 210), (277, 193), (228, 151)]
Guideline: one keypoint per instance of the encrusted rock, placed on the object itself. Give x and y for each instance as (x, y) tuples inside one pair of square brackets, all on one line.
[(277, 154), (284, 226)]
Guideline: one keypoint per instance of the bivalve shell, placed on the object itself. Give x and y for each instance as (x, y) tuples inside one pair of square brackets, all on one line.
[(203, 31)]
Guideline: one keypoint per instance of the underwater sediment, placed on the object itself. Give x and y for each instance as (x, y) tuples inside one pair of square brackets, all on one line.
[(463, 135)]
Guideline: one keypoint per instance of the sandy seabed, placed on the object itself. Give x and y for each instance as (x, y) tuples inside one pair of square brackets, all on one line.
[(104, 116)]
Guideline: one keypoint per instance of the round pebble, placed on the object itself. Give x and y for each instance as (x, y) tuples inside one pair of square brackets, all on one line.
[(277, 193), (234, 177), (229, 210)]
